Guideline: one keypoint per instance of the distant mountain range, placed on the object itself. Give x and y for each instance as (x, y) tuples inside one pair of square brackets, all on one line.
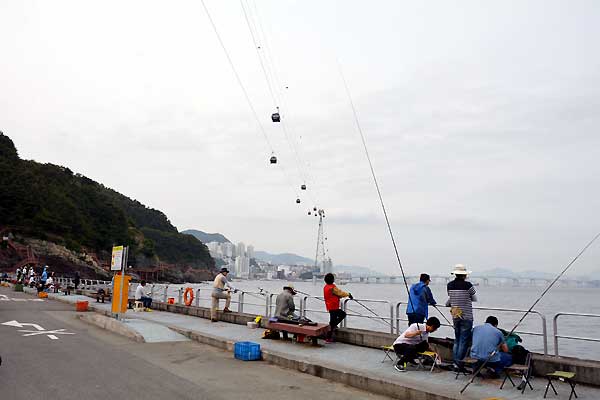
[(283, 258), (531, 274), (206, 237)]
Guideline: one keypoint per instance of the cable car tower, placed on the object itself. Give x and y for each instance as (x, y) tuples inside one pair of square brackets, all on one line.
[(323, 263)]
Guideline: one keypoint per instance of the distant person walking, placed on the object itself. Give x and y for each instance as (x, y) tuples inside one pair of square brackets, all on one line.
[(44, 276), (76, 280), (332, 295), (421, 297), (221, 290), (461, 295)]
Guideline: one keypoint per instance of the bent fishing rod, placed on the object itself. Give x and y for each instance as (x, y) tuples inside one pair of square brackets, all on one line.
[(531, 308)]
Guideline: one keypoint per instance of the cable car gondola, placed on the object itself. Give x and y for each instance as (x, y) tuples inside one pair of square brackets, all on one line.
[(314, 208), (298, 201), (273, 160), (275, 117), (309, 213), (303, 187)]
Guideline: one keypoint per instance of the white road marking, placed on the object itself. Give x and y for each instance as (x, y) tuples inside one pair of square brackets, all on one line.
[(39, 330)]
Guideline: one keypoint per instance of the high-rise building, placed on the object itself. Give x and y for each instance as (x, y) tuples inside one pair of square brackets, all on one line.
[(240, 250), (242, 267), (327, 266), (227, 249), (250, 251)]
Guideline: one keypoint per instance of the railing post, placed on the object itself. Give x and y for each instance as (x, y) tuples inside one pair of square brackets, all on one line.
[(545, 332), (165, 294), (345, 320), (152, 291), (179, 295), (398, 317), (241, 302), (197, 297), (555, 329), (303, 302), (391, 318)]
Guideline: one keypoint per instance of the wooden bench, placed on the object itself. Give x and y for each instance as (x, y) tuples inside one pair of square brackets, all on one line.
[(301, 331)]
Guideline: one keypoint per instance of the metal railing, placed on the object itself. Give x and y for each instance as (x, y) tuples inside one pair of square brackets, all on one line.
[(396, 313), (557, 336), (544, 329)]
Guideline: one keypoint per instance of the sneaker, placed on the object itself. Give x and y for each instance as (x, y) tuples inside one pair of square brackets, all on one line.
[(400, 367), (214, 320), (226, 310)]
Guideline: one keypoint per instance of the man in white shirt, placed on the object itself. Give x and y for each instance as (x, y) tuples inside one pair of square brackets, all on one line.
[(141, 295), (413, 341)]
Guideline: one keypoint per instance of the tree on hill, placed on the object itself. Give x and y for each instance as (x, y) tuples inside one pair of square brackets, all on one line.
[(49, 202)]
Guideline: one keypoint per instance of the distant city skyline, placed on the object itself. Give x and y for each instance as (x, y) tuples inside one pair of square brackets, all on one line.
[(482, 122)]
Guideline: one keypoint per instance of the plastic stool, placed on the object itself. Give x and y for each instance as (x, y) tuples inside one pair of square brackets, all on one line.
[(138, 307)]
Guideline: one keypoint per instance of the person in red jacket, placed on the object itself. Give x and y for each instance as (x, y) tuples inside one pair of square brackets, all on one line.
[(332, 295)]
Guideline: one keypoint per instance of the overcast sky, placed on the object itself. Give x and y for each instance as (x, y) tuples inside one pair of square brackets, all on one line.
[(482, 119)]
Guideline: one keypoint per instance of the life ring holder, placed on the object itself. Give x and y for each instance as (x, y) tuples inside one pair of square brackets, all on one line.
[(188, 296)]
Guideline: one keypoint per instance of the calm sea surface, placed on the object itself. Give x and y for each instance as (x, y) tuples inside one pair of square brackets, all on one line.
[(559, 299)]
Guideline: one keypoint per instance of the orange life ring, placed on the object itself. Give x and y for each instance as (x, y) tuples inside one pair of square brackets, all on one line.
[(188, 296)]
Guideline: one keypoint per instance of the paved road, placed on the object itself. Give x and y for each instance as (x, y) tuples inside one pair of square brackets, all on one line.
[(95, 364)]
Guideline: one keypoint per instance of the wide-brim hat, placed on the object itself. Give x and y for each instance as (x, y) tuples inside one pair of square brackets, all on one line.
[(224, 269), (460, 269), (291, 287)]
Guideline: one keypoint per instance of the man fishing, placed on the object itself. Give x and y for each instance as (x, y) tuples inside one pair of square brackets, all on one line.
[(421, 297), (221, 290), (461, 295), (332, 295), (413, 341), (489, 346), (284, 303)]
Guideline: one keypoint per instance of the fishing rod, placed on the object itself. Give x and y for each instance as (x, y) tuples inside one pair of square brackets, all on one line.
[(374, 176), (531, 308)]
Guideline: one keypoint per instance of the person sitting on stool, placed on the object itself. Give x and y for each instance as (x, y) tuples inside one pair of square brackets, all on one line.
[(488, 339), (413, 341), (141, 295)]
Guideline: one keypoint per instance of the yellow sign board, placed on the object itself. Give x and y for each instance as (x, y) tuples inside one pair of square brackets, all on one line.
[(116, 261)]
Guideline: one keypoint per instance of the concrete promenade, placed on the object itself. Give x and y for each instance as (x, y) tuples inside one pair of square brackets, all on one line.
[(356, 366)]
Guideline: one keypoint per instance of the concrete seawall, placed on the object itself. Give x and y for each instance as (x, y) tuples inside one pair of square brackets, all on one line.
[(588, 371)]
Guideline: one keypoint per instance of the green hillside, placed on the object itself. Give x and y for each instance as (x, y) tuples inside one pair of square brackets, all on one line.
[(50, 202)]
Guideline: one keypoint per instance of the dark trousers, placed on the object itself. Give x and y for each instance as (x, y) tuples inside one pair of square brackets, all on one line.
[(408, 352), (335, 317), (414, 318), (462, 339), (147, 301)]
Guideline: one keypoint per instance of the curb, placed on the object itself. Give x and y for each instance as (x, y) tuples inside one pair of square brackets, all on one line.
[(111, 325), (332, 373)]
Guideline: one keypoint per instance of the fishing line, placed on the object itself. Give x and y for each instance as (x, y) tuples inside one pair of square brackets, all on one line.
[(531, 308), (354, 313), (442, 314), (387, 220), (371, 310)]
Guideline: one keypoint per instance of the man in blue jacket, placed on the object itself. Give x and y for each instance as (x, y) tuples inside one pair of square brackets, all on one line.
[(420, 299)]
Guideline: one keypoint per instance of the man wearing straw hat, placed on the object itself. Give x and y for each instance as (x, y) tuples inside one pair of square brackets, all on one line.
[(461, 295)]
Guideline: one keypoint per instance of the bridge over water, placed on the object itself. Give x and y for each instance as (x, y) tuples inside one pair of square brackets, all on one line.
[(483, 281)]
